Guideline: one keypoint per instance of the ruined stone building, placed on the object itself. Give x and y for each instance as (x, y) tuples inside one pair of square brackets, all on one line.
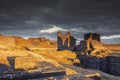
[(87, 43), (94, 36), (92, 45), (66, 42)]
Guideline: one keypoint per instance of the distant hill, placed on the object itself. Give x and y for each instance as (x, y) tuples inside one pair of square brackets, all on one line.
[(19, 42), (16, 41), (112, 46)]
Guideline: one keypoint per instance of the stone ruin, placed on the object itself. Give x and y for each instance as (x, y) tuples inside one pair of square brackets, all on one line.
[(91, 45), (94, 36), (66, 42)]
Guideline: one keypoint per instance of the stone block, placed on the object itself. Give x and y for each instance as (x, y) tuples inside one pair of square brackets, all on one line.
[(25, 63), (92, 63)]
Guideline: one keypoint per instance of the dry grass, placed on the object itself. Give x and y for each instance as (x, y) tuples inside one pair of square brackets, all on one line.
[(55, 57), (59, 56), (101, 53), (14, 53), (112, 46)]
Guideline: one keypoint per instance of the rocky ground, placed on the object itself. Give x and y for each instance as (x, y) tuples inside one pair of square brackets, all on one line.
[(22, 59), (51, 62), (60, 63)]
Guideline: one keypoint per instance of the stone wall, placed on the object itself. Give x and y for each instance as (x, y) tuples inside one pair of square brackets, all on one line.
[(66, 42), (81, 47), (96, 56), (95, 36), (110, 64), (92, 46), (114, 65)]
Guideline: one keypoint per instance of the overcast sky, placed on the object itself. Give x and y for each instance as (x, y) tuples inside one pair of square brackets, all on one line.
[(43, 18)]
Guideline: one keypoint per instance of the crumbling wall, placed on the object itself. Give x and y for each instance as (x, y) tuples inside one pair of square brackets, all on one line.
[(97, 63), (92, 46), (114, 65), (109, 64), (82, 46), (95, 36), (93, 41), (66, 42), (90, 42)]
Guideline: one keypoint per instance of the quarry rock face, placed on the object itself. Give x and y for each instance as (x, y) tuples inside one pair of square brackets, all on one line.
[(66, 42)]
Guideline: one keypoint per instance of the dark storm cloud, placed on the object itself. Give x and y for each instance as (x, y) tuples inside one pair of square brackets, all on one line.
[(28, 17)]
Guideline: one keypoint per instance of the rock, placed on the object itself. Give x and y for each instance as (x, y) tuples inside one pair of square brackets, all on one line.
[(50, 78), (4, 64), (65, 78), (43, 39), (6, 41), (4, 60), (25, 48), (25, 63)]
